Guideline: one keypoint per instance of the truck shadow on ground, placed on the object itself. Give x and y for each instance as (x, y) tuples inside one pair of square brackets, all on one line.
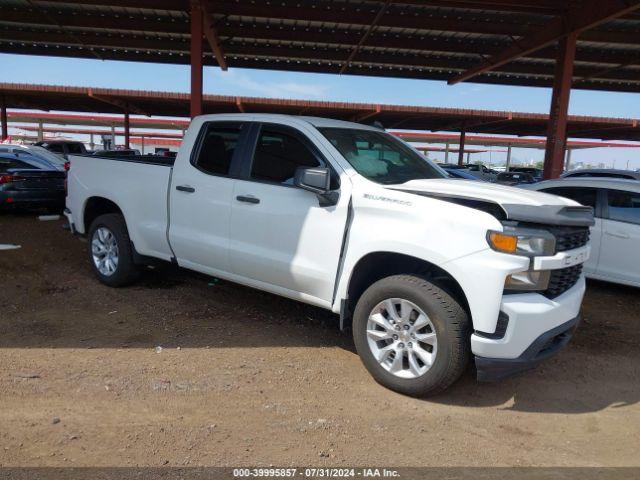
[(51, 300), (177, 308)]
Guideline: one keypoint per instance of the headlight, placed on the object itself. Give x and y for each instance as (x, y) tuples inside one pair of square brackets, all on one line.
[(522, 241), (530, 280)]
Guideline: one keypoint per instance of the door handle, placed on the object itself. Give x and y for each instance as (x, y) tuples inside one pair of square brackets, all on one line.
[(618, 235), (248, 199), (185, 188)]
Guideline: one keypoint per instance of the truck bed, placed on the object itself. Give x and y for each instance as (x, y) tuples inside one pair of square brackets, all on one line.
[(136, 184), (149, 159)]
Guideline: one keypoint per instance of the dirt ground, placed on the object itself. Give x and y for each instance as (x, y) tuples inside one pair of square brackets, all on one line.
[(248, 378)]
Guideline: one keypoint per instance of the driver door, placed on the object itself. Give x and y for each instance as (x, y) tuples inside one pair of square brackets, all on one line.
[(281, 238)]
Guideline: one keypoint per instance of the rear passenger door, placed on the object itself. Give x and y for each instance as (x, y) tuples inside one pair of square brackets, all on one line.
[(282, 239), (589, 197), (619, 257), (200, 198)]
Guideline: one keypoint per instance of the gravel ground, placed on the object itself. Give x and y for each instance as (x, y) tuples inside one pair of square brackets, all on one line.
[(247, 378)]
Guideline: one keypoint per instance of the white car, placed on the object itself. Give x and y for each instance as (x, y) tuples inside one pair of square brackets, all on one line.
[(615, 237), (426, 270)]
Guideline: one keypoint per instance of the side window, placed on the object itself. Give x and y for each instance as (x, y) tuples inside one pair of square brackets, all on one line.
[(277, 156), (584, 196), (55, 148), (217, 148), (624, 206), (74, 148)]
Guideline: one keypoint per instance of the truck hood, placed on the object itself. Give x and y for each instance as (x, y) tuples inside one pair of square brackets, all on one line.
[(514, 203)]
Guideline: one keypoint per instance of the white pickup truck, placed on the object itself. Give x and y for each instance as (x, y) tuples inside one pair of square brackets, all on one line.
[(426, 270)]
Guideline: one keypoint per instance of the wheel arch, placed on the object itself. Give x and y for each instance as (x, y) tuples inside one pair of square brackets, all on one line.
[(375, 266), (96, 206)]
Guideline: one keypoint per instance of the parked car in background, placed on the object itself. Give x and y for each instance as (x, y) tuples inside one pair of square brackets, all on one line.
[(63, 147), (55, 159), (426, 271), (34, 151), (470, 171), (514, 178), (482, 172), (455, 171), (615, 237), (603, 173), (27, 181), (460, 174), (536, 173)]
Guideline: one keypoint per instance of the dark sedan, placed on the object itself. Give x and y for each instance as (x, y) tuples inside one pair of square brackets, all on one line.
[(29, 182)]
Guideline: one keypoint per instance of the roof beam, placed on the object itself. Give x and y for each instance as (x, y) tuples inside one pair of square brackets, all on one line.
[(366, 115), (366, 34), (211, 33), (43, 13), (538, 6), (240, 105), (125, 106), (588, 15), (604, 71), (336, 22), (343, 18), (409, 45), (623, 81), (549, 7)]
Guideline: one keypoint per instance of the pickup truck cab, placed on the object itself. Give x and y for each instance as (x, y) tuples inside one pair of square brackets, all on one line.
[(426, 270)]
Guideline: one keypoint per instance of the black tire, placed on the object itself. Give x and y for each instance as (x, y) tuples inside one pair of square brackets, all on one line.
[(126, 271), (451, 325)]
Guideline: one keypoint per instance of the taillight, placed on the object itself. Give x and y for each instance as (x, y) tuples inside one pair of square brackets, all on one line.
[(67, 166), (10, 178)]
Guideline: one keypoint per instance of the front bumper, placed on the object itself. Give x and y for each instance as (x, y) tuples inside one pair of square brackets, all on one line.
[(537, 328), (544, 347)]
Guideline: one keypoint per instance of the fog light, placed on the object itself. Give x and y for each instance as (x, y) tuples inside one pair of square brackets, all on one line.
[(530, 280)]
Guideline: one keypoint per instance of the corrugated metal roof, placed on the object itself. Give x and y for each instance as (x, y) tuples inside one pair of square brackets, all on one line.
[(432, 39)]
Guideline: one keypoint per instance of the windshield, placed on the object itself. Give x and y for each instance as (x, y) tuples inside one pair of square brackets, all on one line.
[(380, 157)]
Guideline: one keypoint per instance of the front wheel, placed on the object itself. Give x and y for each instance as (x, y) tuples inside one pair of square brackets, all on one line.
[(411, 335), (111, 252)]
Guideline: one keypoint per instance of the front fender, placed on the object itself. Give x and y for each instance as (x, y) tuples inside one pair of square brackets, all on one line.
[(452, 237)]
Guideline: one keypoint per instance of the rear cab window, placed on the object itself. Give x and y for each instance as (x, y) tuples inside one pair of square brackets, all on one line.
[(217, 147), (55, 148), (75, 148)]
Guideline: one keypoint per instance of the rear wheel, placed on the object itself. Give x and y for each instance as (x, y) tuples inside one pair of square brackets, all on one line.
[(110, 251), (411, 335)]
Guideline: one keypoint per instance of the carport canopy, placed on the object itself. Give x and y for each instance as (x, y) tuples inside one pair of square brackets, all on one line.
[(174, 104), (590, 44)]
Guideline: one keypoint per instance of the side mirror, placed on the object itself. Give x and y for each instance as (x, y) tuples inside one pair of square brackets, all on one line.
[(318, 181)]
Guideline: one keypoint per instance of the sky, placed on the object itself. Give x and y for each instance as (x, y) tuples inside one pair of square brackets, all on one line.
[(344, 88)]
